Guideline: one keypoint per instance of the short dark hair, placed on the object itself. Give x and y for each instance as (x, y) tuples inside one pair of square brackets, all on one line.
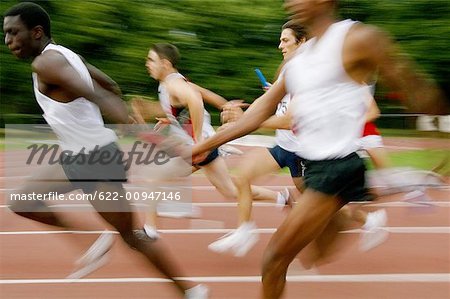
[(32, 15), (299, 30), (167, 51)]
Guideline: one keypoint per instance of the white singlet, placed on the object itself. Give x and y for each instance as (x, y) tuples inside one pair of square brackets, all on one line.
[(285, 138), (79, 123), (164, 99), (328, 106)]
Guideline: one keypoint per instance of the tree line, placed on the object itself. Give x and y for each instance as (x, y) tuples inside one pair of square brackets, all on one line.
[(221, 41)]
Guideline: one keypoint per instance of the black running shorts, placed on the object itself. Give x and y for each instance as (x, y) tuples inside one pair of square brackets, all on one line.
[(343, 177), (288, 159), (104, 164)]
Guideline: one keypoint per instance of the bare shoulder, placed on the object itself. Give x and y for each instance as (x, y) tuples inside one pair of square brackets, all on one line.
[(48, 61), (366, 47), (366, 38), (363, 35), (178, 85), (195, 86)]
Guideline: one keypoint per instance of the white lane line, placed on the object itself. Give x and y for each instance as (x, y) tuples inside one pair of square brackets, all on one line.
[(402, 204), (418, 277), (392, 229)]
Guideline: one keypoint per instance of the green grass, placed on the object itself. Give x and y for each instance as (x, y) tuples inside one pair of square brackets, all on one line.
[(412, 133), (385, 132), (420, 159)]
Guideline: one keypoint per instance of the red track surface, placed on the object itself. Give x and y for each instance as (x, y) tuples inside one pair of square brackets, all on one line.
[(419, 245)]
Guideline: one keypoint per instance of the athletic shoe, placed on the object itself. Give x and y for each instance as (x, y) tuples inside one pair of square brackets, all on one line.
[(100, 247), (296, 267), (90, 267), (178, 210), (95, 257), (151, 231), (417, 197), (239, 241), (198, 292), (245, 244), (373, 233), (282, 198), (224, 243)]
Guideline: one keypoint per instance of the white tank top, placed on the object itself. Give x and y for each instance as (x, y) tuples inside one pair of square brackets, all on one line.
[(78, 124), (285, 138), (328, 106), (164, 99)]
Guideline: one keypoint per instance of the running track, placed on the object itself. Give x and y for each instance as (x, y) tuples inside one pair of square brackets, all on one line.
[(413, 263)]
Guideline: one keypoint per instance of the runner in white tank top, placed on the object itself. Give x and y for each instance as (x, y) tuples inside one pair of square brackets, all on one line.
[(186, 108), (72, 96), (261, 161), (175, 125), (342, 56), (330, 106), (78, 123)]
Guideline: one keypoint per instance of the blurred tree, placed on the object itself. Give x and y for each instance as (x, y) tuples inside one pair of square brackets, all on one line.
[(221, 41)]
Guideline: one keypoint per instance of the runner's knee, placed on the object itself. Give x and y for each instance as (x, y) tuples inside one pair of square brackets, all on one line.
[(241, 181), (274, 261)]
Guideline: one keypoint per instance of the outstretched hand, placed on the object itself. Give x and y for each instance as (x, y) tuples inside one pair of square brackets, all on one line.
[(161, 124), (232, 111), (267, 87)]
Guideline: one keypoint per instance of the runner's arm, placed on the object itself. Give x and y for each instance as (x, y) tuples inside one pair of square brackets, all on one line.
[(102, 79), (191, 98), (275, 122), (210, 97), (420, 92), (257, 113), (52, 68)]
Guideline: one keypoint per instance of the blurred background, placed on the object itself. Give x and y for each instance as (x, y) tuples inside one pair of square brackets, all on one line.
[(221, 43)]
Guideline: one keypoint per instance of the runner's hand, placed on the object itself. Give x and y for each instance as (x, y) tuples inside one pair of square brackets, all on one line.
[(161, 124), (232, 111)]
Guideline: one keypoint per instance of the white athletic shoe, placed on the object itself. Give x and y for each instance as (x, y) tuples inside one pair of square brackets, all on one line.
[(374, 233), (245, 244), (296, 267), (90, 267), (224, 243), (198, 292), (95, 257), (178, 210), (282, 198), (417, 197), (100, 247), (151, 231), (239, 241)]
